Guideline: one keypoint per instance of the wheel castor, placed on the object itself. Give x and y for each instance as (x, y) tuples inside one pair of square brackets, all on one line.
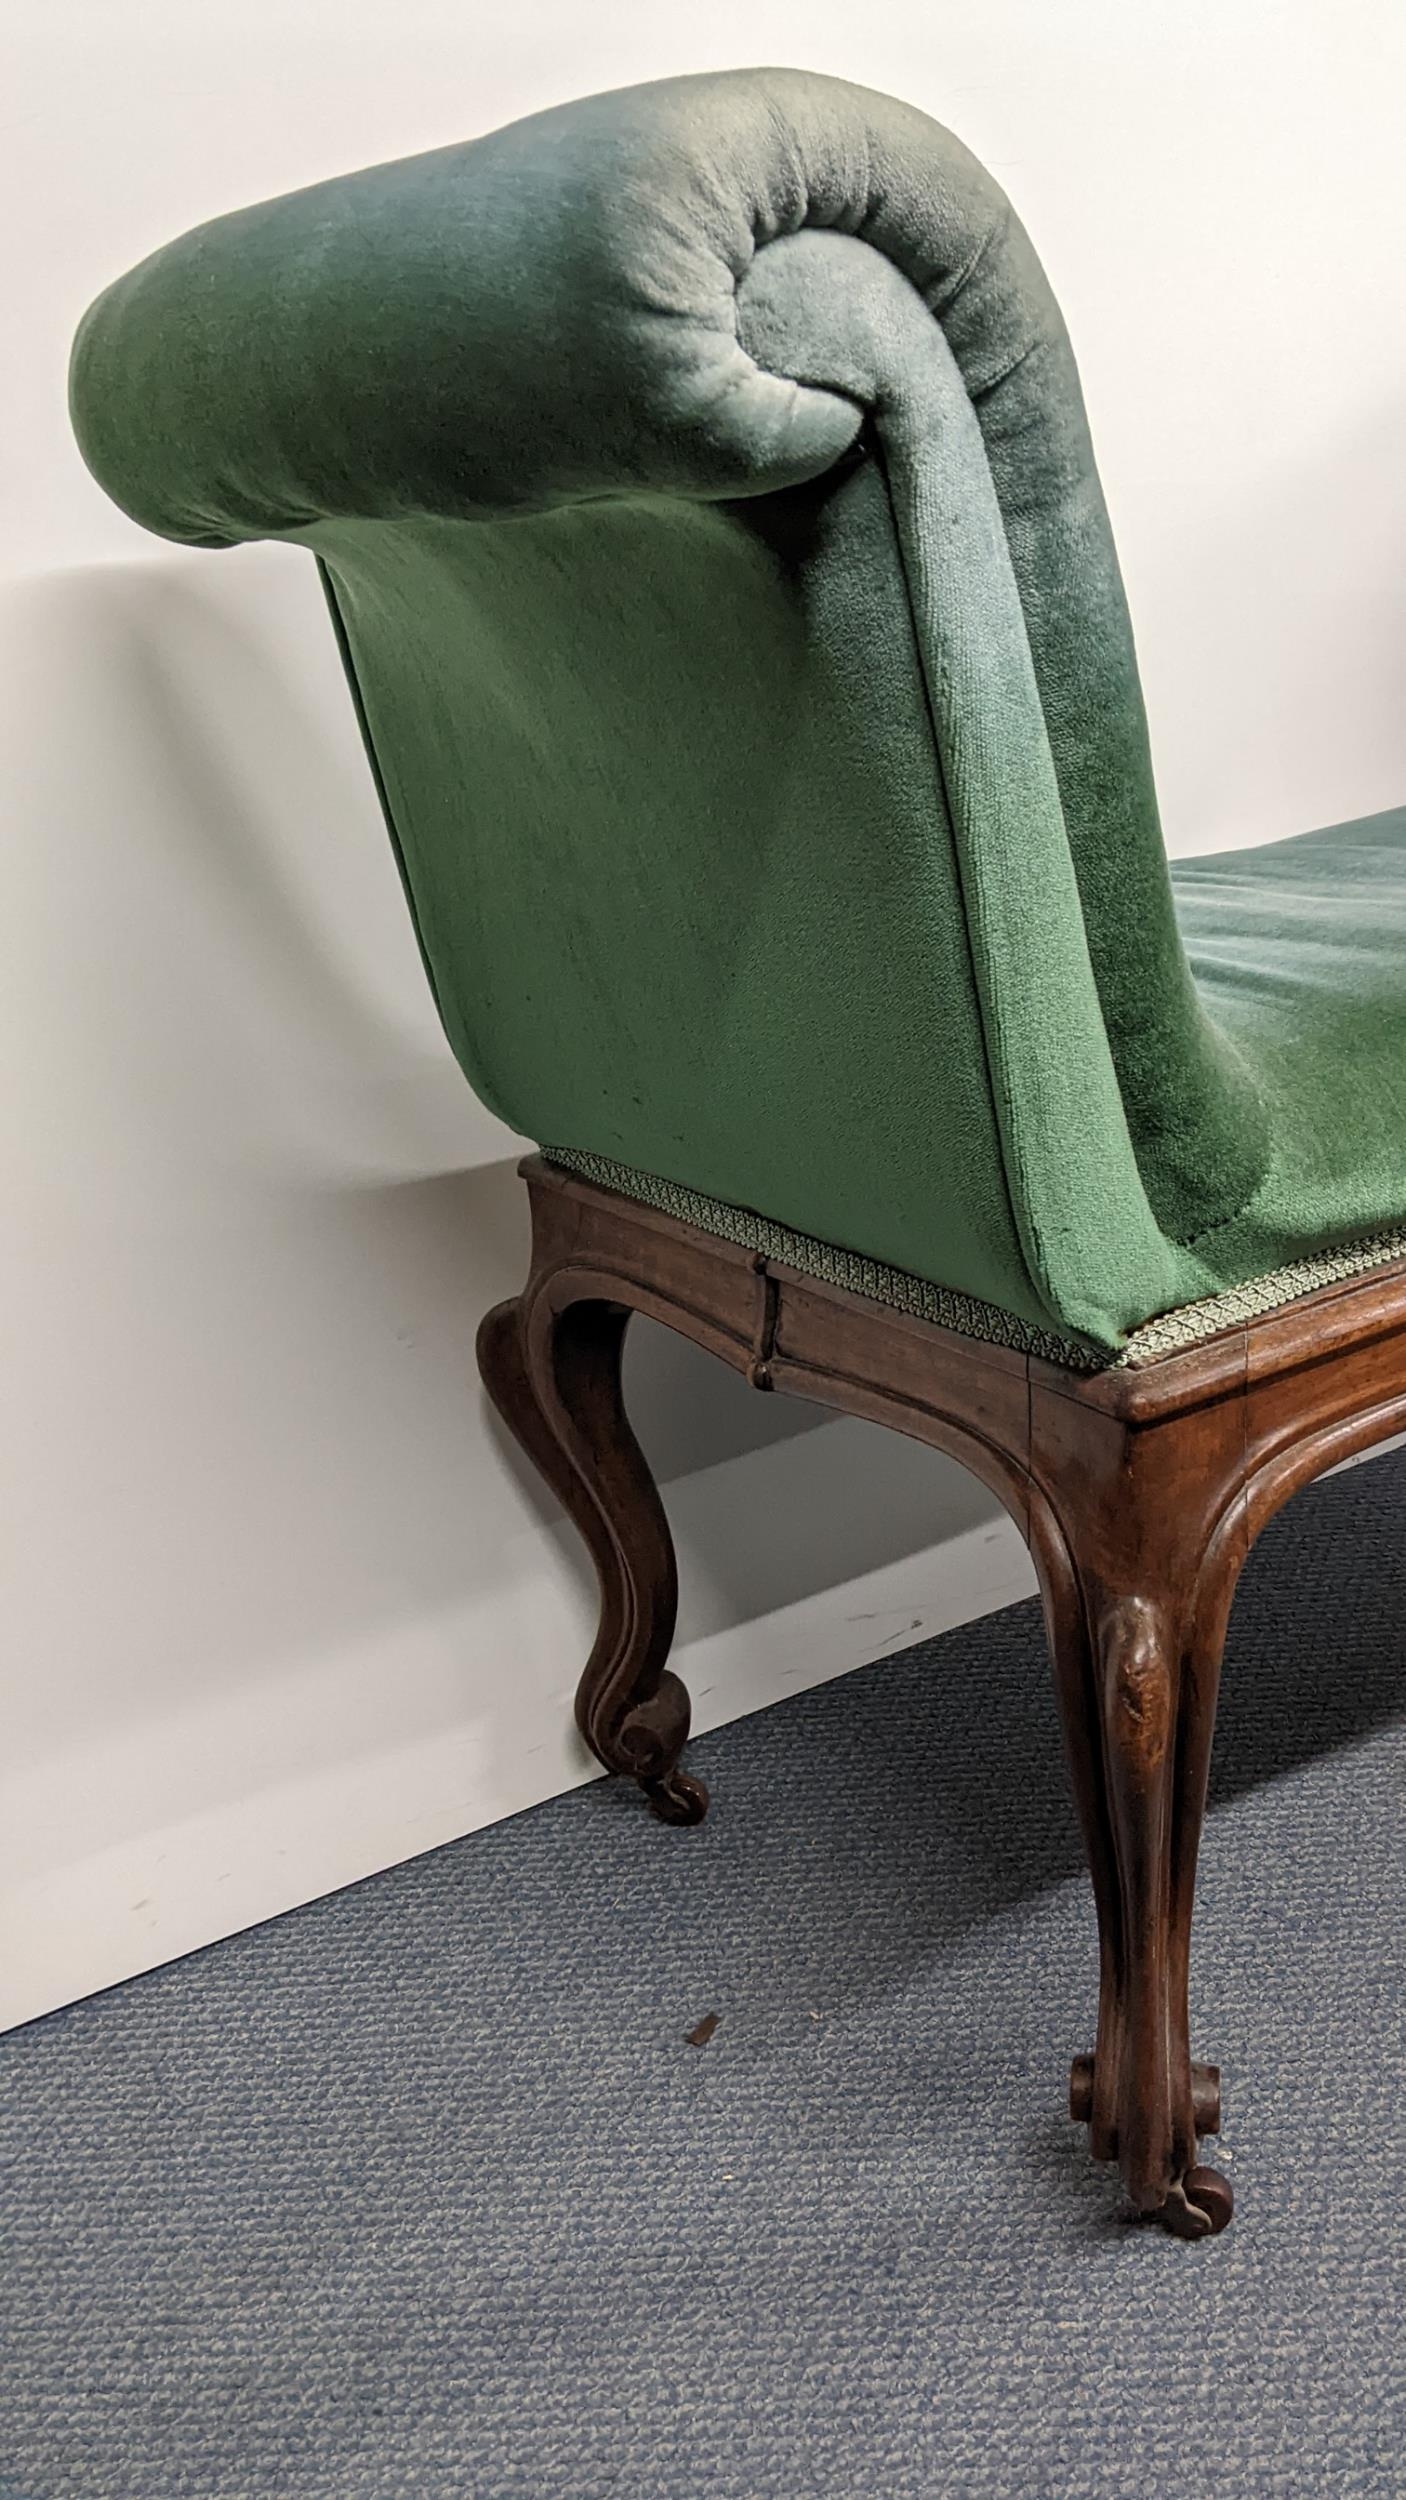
[(1199, 2206), (677, 1797)]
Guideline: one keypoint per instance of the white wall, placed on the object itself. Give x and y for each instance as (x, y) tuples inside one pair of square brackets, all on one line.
[(279, 1606)]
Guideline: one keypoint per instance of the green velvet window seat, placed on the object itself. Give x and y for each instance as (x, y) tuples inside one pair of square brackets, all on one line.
[(1300, 948), (702, 489)]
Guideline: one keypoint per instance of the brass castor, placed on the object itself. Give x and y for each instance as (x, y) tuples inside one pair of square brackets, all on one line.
[(1205, 2095), (677, 1798)]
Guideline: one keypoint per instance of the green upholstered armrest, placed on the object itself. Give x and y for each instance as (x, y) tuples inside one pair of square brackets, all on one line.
[(551, 313)]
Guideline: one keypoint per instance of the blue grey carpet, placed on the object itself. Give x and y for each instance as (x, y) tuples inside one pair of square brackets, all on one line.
[(421, 2193)]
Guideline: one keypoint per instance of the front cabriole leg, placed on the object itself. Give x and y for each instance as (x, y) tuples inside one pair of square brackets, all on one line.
[(1153, 2096), (1138, 1546)]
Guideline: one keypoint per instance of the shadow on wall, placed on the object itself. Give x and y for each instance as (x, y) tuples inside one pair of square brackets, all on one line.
[(274, 841), (460, 1240), (256, 1212)]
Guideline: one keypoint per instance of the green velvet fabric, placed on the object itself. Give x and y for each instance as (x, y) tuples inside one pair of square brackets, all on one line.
[(703, 493), (1299, 949)]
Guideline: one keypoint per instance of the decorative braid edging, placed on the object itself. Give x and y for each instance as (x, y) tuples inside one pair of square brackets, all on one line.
[(1170, 1333), (961, 1312)]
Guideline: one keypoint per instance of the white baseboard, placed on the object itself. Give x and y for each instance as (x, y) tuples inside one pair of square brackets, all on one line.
[(382, 1761), (73, 1922)]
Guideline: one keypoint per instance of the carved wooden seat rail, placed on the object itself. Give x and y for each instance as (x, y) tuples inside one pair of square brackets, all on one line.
[(1139, 1493)]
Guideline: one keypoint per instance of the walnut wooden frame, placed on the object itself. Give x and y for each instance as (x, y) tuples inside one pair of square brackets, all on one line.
[(1139, 1493)]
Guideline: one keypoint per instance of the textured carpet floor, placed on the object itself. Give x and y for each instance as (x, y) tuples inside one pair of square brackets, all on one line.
[(422, 2193)]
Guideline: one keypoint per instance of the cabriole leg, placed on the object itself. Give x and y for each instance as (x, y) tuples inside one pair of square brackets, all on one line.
[(1137, 1591), (554, 1376)]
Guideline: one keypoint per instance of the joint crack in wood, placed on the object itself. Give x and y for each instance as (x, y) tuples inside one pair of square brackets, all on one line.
[(764, 1339)]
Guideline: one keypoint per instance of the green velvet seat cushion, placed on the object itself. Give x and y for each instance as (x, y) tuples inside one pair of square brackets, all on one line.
[(1299, 950)]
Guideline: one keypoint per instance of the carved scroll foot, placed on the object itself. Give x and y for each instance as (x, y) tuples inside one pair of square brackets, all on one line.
[(645, 1743), (1201, 2202), (678, 1798), (552, 1370)]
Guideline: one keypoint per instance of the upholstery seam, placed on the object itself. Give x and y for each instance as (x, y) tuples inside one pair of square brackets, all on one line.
[(1037, 1269)]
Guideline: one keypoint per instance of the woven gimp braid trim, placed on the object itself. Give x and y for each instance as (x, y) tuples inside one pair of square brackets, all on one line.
[(1170, 1333)]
